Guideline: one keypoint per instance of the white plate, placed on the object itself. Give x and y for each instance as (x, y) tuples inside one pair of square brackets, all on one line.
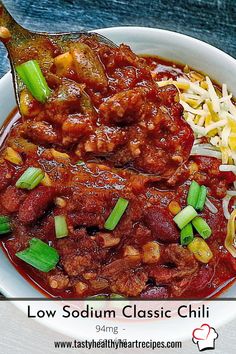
[(170, 45)]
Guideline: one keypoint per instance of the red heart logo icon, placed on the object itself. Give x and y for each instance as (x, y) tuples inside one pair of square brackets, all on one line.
[(202, 332)]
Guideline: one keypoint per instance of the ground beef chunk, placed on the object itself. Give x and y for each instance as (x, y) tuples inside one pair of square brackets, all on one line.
[(91, 209), (152, 133), (163, 150), (130, 283), (111, 108), (12, 198), (123, 108), (6, 173), (77, 125), (177, 265), (124, 276), (103, 141), (65, 99), (57, 279), (80, 255), (88, 67), (41, 132), (168, 95), (209, 174), (78, 264), (35, 204)]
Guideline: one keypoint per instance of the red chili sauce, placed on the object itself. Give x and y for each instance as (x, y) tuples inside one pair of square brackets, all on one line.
[(134, 144)]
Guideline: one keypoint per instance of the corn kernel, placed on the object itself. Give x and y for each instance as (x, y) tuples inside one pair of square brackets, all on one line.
[(151, 252), (174, 207), (59, 155), (12, 156), (193, 167), (63, 63), (80, 287), (28, 105), (200, 249), (46, 181), (60, 202)]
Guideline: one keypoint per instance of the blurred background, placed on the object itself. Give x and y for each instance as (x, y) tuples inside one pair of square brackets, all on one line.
[(213, 21)]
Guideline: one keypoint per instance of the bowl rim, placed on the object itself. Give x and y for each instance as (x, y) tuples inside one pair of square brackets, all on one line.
[(164, 32)]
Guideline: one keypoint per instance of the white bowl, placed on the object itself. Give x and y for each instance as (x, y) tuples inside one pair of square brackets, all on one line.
[(170, 45)]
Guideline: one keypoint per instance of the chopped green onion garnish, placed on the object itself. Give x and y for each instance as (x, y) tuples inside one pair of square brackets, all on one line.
[(185, 216), (201, 198), (60, 226), (186, 234), (5, 226), (193, 193), (39, 255), (202, 227), (30, 178), (116, 214), (98, 297), (32, 76), (4, 219), (80, 163), (116, 296)]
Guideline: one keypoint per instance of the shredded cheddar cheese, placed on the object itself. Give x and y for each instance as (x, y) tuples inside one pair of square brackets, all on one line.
[(210, 112), (230, 240)]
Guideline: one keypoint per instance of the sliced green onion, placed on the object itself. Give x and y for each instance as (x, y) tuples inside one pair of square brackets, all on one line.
[(80, 163), (202, 227), (30, 178), (32, 76), (116, 296), (201, 198), (186, 235), (5, 226), (193, 193), (185, 216), (60, 226), (39, 255), (98, 297), (116, 214), (4, 219)]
